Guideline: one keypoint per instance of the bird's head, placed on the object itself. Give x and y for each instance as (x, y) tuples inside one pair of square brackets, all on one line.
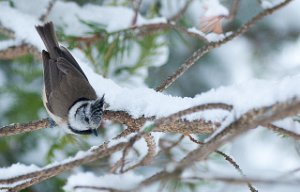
[(85, 116)]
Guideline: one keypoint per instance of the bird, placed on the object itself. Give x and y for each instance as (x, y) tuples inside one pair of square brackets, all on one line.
[(68, 97)]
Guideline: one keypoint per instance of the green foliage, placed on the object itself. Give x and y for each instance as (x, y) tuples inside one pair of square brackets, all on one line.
[(2, 37), (120, 3), (68, 143), (11, 3), (107, 51), (149, 128), (179, 185)]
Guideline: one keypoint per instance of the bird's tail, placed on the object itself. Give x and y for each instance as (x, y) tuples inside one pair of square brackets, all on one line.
[(48, 36)]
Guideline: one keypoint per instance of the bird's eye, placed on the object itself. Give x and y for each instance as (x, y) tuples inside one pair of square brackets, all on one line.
[(86, 119)]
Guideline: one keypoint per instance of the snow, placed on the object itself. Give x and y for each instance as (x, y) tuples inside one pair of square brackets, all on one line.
[(145, 101), (210, 37), (245, 94), (289, 124), (40, 6), (112, 18), (8, 43), (17, 169), (214, 37), (273, 158), (288, 56), (266, 4), (157, 20), (240, 67), (196, 31), (171, 7), (22, 24), (287, 18), (125, 181), (214, 8)]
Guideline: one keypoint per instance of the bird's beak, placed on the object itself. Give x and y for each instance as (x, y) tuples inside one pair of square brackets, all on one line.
[(95, 132)]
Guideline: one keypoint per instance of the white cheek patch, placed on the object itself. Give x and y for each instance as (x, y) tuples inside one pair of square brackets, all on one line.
[(75, 123)]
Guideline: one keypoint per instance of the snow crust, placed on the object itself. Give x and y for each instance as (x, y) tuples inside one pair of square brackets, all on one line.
[(17, 169), (266, 4), (214, 8), (145, 101), (126, 181)]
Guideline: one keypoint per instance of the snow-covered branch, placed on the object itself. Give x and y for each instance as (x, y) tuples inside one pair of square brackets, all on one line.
[(198, 54), (19, 182), (248, 121), (155, 127)]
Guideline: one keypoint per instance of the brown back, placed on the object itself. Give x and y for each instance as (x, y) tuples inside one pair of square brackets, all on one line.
[(65, 82)]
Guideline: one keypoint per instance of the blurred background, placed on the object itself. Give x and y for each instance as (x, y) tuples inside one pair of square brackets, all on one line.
[(270, 50)]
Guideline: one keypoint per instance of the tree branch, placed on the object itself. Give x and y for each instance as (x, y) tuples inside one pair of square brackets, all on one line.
[(202, 51), (136, 7), (18, 51), (283, 131), (44, 16), (50, 171), (181, 11), (248, 121), (231, 161), (169, 124)]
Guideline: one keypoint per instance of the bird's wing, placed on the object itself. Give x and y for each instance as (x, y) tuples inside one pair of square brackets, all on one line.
[(67, 55), (66, 87)]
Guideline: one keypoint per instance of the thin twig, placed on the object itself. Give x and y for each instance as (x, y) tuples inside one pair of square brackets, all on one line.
[(44, 16), (136, 7), (16, 51), (202, 51), (283, 131), (195, 127), (7, 32), (234, 9), (150, 155), (18, 128), (97, 188), (246, 180), (191, 110), (230, 160), (145, 29), (48, 172), (167, 149), (181, 11), (248, 121)]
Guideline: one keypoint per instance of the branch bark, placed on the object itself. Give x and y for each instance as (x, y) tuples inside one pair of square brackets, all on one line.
[(248, 121), (198, 54)]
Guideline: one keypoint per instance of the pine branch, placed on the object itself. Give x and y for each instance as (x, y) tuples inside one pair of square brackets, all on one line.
[(150, 155), (136, 7), (232, 180), (283, 131), (7, 32), (181, 11), (16, 51), (44, 16), (169, 124), (198, 54), (249, 120), (50, 171), (234, 9), (18, 128), (231, 161)]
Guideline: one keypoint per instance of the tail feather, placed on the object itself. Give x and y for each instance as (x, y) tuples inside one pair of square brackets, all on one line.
[(49, 38)]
